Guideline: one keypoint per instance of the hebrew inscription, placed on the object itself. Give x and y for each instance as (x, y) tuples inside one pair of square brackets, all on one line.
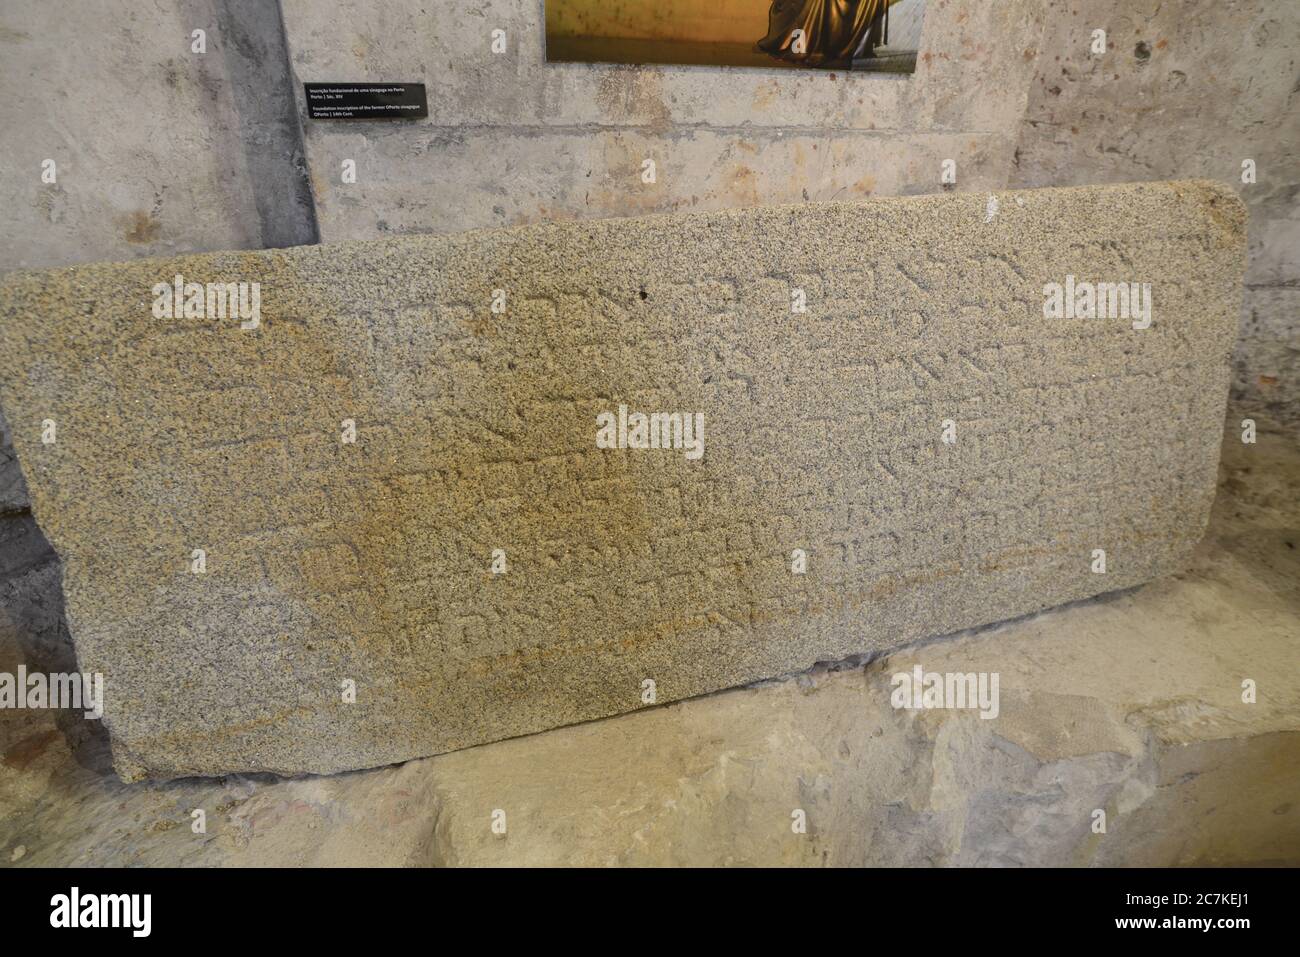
[(334, 507)]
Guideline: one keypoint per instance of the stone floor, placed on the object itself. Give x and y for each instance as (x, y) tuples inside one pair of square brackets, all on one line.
[(1130, 704)]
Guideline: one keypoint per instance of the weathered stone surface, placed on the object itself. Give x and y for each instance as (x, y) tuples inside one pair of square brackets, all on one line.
[(1218, 89), (369, 562)]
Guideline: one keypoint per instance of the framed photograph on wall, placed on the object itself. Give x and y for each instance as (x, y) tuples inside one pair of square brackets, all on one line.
[(880, 36)]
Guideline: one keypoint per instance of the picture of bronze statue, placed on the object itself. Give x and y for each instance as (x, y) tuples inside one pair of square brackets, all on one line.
[(825, 32), (871, 36)]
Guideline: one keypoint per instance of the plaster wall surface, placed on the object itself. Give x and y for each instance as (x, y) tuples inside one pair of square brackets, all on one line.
[(511, 139), (145, 133)]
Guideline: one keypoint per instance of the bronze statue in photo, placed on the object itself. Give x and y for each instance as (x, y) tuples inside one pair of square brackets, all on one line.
[(825, 32)]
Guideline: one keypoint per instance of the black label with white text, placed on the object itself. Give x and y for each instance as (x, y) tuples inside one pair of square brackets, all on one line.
[(366, 101)]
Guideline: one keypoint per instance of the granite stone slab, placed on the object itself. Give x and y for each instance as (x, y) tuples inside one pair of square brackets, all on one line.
[(399, 505)]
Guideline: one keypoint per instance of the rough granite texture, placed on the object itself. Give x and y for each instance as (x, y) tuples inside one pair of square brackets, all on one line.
[(370, 562)]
